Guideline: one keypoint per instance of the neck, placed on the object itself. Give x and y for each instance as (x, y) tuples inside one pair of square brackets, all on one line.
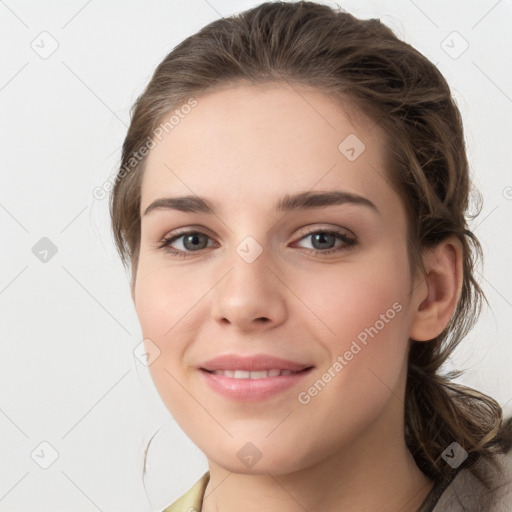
[(375, 472)]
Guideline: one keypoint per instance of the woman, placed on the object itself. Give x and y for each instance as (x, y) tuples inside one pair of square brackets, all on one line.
[(292, 200)]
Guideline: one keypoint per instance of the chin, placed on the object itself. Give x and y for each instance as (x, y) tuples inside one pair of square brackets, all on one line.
[(249, 460)]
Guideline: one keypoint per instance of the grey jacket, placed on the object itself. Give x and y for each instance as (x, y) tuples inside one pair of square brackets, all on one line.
[(465, 493)]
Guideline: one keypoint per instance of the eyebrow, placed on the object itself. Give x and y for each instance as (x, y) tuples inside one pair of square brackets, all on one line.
[(299, 201)]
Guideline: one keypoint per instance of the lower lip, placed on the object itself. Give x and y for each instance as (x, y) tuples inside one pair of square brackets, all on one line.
[(252, 389)]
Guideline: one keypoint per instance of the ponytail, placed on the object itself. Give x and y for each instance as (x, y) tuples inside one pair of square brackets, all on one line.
[(439, 412)]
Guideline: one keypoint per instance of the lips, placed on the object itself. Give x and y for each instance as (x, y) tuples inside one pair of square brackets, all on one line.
[(260, 374), (252, 378), (244, 367)]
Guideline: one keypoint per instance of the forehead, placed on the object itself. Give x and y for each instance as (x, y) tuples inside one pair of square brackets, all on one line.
[(254, 139)]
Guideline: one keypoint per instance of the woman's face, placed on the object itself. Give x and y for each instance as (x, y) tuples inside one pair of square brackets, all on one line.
[(263, 275)]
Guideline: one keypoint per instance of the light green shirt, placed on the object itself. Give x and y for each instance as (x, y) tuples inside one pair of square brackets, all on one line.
[(192, 500)]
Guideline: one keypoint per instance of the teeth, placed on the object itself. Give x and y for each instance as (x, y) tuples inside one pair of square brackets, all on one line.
[(260, 374)]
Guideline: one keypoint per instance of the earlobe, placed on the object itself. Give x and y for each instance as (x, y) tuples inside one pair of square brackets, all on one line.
[(435, 303)]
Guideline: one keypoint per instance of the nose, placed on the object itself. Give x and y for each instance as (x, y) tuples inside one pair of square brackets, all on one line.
[(251, 296)]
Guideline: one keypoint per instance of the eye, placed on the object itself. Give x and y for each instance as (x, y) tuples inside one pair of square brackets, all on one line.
[(193, 241), (324, 239)]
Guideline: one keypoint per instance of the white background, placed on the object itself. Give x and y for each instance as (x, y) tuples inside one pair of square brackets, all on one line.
[(69, 376)]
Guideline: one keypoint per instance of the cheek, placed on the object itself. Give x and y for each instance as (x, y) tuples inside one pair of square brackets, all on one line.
[(364, 327), (163, 299), (161, 308), (161, 304), (345, 300), (169, 302)]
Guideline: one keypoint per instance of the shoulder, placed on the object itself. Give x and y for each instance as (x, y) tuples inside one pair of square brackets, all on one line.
[(468, 493), (192, 500)]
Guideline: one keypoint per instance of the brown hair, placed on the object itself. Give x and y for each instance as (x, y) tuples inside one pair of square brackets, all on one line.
[(405, 94)]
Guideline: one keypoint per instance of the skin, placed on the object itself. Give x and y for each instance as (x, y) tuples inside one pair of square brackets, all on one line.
[(245, 147)]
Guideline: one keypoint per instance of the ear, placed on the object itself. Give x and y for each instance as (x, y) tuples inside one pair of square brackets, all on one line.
[(435, 296)]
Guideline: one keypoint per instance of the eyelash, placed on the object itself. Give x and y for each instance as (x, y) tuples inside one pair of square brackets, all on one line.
[(349, 242)]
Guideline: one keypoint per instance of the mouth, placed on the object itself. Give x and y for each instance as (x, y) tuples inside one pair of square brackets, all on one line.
[(253, 364), (255, 375), (239, 385)]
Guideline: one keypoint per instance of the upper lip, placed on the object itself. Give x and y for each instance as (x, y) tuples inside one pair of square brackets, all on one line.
[(251, 363)]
